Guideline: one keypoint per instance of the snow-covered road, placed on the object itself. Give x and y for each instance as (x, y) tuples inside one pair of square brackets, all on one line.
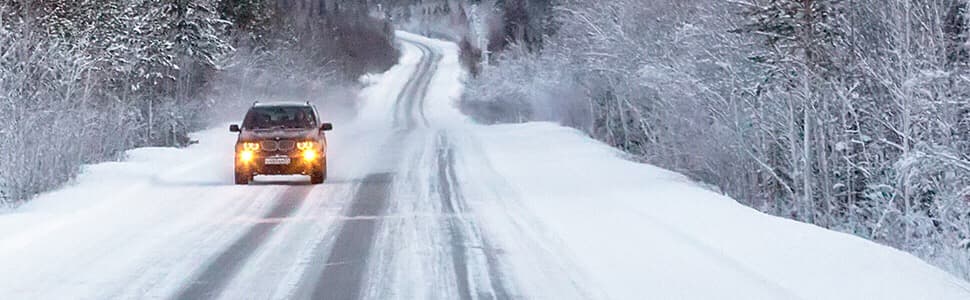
[(423, 204)]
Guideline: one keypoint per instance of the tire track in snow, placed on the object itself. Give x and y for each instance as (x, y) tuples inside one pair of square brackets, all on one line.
[(210, 282), (537, 251), (467, 242), (422, 88), (405, 103), (348, 270), (343, 273)]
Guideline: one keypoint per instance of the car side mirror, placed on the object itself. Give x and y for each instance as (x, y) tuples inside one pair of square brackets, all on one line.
[(234, 128), (326, 127)]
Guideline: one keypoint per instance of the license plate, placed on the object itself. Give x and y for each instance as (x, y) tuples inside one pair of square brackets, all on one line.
[(278, 160)]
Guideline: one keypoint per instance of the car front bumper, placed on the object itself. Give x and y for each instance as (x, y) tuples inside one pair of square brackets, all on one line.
[(270, 163)]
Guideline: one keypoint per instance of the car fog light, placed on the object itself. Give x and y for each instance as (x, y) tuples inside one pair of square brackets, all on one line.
[(246, 156), (309, 154)]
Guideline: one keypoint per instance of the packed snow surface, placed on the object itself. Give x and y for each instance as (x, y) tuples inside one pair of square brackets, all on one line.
[(556, 214)]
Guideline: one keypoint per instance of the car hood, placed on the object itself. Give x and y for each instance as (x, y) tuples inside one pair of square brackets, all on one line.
[(282, 134)]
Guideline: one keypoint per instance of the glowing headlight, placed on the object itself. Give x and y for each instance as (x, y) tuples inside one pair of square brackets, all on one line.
[(309, 154), (246, 155), (250, 146), (305, 145)]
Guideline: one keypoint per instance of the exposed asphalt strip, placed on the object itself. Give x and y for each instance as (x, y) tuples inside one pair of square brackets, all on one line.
[(345, 268), (213, 279), (466, 239)]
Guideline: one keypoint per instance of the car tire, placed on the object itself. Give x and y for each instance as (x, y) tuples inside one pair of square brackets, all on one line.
[(319, 176), (243, 178)]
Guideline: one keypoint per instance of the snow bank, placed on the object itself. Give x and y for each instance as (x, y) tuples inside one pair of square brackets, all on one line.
[(137, 226), (641, 232)]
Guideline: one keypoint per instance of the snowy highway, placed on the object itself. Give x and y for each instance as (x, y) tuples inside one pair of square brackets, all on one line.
[(421, 203)]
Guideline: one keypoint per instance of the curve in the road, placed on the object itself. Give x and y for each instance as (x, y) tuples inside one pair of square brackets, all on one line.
[(410, 101), (420, 98)]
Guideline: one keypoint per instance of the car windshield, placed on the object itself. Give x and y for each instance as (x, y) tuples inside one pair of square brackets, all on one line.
[(268, 117)]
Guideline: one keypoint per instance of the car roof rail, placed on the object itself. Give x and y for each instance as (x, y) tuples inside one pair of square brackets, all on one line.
[(255, 102)]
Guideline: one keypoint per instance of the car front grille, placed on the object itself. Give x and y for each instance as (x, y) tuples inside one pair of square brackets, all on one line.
[(286, 145), (273, 146), (268, 145)]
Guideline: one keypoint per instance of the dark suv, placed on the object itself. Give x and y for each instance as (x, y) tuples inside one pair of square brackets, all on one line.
[(281, 139)]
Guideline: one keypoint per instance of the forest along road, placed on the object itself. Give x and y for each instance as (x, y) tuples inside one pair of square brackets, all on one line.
[(421, 203)]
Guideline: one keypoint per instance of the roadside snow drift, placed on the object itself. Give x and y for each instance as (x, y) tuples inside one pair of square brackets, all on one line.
[(640, 232)]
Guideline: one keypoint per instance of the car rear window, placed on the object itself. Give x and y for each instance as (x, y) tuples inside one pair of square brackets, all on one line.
[(267, 117)]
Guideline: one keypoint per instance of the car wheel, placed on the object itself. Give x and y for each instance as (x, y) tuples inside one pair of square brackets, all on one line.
[(243, 178), (320, 175)]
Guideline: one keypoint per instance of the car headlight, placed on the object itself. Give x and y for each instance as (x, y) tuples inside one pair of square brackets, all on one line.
[(305, 145), (248, 146)]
